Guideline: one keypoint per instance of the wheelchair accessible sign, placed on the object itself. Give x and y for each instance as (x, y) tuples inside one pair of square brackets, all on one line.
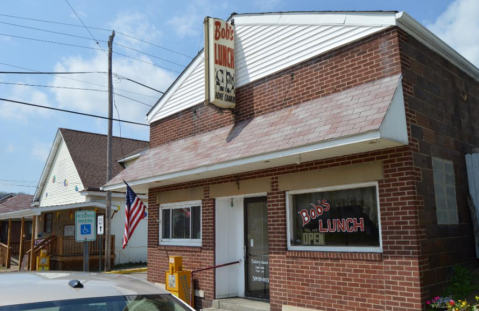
[(85, 226)]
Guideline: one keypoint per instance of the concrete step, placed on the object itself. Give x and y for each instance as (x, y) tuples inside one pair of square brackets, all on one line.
[(240, 304)]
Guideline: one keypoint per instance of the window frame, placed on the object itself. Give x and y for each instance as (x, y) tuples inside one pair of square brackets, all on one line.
[(180, 242), (46, 221), (342, 249), (446, 208)]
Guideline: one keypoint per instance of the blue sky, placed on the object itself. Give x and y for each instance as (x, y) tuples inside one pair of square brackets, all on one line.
[(26, 133)]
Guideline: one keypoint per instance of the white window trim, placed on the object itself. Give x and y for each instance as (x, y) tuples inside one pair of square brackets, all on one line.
[(342, 249), (181, 242)]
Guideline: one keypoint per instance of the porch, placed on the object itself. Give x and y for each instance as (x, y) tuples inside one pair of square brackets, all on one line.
[(65, 253)]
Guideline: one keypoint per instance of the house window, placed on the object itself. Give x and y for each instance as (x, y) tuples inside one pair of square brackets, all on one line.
[(445, 191), (47, 226), (344, 219), (180, 223)]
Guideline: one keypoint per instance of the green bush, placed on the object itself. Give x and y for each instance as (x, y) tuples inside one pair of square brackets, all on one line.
[(461, 283)]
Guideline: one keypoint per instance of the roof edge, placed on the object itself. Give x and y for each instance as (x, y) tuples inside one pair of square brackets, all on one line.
[(429, 39)]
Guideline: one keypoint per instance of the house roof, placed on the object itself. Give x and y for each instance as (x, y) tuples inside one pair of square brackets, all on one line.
[(269, 42), (16, 203), (352, 112), (88, 152)]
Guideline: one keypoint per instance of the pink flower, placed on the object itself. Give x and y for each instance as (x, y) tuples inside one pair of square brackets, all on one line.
[(428, 302), (436, 298)]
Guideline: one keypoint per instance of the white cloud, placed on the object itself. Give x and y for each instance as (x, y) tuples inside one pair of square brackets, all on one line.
[(136, 25), (97, 102), (189, 22), (40, 151), (9, 110), (10, 148), (458, 26)]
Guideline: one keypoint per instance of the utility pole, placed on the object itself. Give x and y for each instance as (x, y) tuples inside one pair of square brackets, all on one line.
[(109, 156)]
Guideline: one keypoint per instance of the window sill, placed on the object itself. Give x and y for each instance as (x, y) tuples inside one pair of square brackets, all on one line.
[(367, 256), (180, 248)]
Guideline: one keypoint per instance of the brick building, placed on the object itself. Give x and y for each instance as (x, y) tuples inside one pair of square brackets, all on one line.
[(339, 182)]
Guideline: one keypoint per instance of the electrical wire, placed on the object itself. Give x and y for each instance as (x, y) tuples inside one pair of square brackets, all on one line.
[(11, 185), (70, 111), (97, 28), (98, 43), (128, 79), (72, 88), (57, 74), (13, 180), (86, 38), (87, 47)]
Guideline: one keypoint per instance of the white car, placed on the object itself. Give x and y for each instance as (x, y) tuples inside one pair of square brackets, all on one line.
[(63, 291)]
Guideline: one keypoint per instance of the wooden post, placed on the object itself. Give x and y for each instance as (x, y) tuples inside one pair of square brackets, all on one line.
[(20, 255), (32, 244), (9, 252), (109, 152), (0, 231)]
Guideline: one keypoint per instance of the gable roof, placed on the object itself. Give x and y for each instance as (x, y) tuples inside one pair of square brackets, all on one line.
[(269, 42), (16, 203), (88, 152), (280, 135)]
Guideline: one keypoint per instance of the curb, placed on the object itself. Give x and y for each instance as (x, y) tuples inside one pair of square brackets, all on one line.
[(128, 271)]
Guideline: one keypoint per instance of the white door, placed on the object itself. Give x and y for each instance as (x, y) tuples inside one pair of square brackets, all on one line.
[(229, 221)]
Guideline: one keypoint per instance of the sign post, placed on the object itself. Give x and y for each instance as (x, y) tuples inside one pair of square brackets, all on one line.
[(85, 231), (100, 231)]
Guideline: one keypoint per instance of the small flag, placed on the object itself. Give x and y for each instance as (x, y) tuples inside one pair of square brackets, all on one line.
[(134, 212)]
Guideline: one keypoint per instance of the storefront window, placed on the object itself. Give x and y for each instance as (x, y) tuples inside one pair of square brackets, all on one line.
[(344, 219), (181, 223)]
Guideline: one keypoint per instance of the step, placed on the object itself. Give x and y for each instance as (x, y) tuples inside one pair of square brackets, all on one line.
[(240, 304), (14, 261)]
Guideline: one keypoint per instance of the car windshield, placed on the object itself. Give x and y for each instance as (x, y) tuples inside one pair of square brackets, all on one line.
[(117, 303)]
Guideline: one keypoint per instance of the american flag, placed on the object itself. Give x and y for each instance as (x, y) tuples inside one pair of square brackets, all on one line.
[(135, 211)]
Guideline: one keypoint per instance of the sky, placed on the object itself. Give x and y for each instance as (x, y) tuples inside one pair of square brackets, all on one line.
[(170, 34)]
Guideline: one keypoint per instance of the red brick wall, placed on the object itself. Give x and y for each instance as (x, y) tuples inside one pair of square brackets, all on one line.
[(442, 125), (331, 281), (363, 61)]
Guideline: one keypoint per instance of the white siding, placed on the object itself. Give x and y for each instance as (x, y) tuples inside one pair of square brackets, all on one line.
[(63, 168), (137, 247), (261, 50)]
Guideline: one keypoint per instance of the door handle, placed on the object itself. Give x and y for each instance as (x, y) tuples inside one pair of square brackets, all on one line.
[(244, 252)]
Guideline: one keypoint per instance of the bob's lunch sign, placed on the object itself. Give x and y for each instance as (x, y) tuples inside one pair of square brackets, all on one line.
[(219, 63)]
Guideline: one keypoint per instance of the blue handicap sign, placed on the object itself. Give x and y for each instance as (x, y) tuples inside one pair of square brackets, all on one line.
[(85, 229)]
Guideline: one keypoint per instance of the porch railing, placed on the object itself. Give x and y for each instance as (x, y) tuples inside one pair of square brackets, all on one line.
[(3, 254), (68, 246)]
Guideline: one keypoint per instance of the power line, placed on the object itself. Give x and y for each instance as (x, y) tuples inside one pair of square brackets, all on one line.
[(50, 72), (98, 43), (13, 185), (57, 74), (52, 42), (70, 111), (72, 88), (12, 180), (128, 79), (86, 47), (97, 28), (86, 38)]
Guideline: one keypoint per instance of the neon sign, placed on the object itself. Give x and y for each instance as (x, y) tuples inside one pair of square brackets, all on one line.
[(330, 225)]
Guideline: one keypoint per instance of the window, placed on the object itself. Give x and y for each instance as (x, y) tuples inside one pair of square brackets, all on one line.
[(445, 191), (344, 219), (180, 223), (47, 226)]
